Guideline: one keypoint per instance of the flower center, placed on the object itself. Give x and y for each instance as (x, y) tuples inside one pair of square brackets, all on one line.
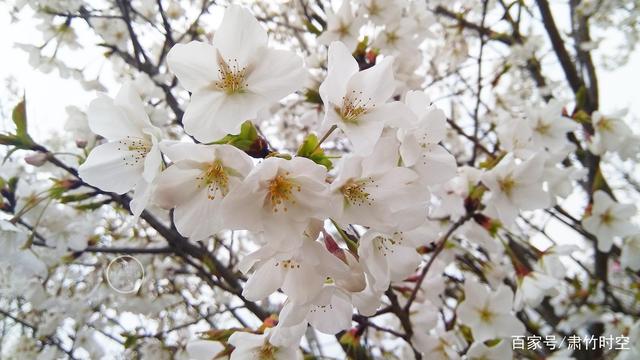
[(542, 127), (374, 9), (288, 264), (136, 149), (386, 244), (604, 124), (343, 29), (485, 314), (215, 178), (231, 76), (606, 218), (392, 37), (321, 308), (354, 192), (267, 352), (353, 107), (507, 185), (280, 192)]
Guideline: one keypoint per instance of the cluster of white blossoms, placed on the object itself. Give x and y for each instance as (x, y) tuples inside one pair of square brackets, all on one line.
[(342, 235), (381, 191), (383, 186)]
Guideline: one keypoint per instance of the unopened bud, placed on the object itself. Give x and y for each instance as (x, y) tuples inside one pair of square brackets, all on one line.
[(259, 148), (333, 247), (68, 184), (37, 159)]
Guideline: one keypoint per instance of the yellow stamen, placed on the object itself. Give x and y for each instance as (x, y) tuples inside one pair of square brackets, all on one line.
[(507, 185), (280, 192), (355, 193), (231, 76), (353, 107), (215, 178)]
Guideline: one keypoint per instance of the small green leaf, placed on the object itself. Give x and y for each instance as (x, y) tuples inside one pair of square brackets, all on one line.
[(581, 98), (312, 96), (130, 341), (89, 206), (248, 140), (20, 118), (310, 150), (312, 28)]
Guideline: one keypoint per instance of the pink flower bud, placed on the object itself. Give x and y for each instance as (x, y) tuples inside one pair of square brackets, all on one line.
[(37, 159)]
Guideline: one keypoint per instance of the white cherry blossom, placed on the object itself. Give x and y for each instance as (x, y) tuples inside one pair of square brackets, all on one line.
[(131, 156), (387, 258), (204, 349), (342, 26), (356, 101), (279, 197), (548, 127), (516, 186), (197, 182), (234, 78), (258, 346), (610, 131), (419, 141), (489, 314), (380, 12), (375, 192), (631, 252), (329, 312), (300, 272), (609, 219), (481, 351)]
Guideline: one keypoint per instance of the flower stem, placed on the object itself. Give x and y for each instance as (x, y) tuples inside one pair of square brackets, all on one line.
[(325, 136)]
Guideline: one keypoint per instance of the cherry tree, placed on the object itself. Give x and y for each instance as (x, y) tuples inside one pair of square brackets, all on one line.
[(318, 179)]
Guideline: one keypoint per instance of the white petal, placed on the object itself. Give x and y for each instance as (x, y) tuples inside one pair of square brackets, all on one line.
[(418, 102), (129, 100), (110, 121), (363, 135), (508, 325), (199, 217), (403, 261), (342, 66), (302, 284), (335, 316), (152, 163), (277, 74), (239, 35), (395, 114), (177, 151), (213, 114), (140, 198), (264, 281), (194, 64), (204, 349), (293, 314), (435, 165), (176, 185), (106, 169), (375, 83)]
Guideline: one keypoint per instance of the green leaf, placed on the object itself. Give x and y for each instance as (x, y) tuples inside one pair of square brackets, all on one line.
[(312, 96), (312, 28), (581, 98), (248, 140), (20, 118), (74, 197), (21, 139), (89, 206), (130, 341), (310, 150)]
